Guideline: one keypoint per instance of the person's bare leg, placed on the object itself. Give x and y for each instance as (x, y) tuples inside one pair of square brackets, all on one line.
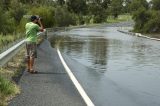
[(28, 64), (31, 64)]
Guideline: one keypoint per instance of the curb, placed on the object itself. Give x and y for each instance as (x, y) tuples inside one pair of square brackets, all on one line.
[(138, 35)]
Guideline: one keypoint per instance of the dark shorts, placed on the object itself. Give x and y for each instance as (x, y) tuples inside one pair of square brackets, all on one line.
[(31, 48)]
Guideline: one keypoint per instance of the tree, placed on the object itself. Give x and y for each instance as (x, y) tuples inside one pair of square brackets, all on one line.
[(61, 2), (47, 14), (1, 20), (116, 7), (140, 17), (153, 24), (156, 4), (5, 4), (136, 4), (105, 3), (77, 6), (63, 17), (97, 12), (15, 12)]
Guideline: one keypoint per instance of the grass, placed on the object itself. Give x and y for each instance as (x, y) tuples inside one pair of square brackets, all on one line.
[(8, 86), (5, 40), (120, 18), (7, 90)]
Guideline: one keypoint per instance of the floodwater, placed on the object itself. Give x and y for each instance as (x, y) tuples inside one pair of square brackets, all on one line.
[(126, 68)]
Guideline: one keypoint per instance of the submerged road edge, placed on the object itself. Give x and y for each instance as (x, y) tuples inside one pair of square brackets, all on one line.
[(75, 82)]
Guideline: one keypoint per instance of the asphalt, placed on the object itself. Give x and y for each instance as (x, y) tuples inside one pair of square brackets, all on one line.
[(51, 86)]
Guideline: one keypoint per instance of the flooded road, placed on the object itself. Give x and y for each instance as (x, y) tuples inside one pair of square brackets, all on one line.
[(115, 69)]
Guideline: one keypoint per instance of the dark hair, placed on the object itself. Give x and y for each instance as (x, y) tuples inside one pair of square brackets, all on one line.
[(33, 17)]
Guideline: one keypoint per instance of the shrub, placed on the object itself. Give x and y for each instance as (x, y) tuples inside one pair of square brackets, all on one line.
[(153, 25), (47, 14), (140, 17), (6, 87), (63, 17)]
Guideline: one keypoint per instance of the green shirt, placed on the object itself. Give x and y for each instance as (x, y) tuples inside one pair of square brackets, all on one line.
[(31, 32)]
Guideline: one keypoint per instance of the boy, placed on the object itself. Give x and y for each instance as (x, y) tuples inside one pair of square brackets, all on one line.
[(32, 28)]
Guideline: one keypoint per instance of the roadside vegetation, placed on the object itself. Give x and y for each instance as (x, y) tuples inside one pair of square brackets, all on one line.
[(15, 13), (146, 16), (120, 18), (7, 90), (9, 76), (59, 13)]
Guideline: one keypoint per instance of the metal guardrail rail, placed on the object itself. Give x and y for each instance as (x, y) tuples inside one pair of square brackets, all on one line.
[(11, 52)]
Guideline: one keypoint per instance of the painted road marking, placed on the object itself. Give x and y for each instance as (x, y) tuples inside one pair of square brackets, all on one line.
[(75, 81)]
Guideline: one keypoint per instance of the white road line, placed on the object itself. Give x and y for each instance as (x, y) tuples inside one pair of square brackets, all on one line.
[(75, 81)]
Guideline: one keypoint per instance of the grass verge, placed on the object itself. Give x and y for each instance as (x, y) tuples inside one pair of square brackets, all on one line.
[(8, 40), (7, 90), (120, 18), (9, 77)]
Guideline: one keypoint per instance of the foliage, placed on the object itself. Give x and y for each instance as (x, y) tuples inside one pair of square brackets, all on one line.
[(116, 7), (6, 39), (156, 4), (124, 17), (46, 13), (77, 6), (64, 17), (146, 19), (17, 13), (97, 13), (6, 87), (6, 23), (153, 24), (140, 17), (136, 4), (60, 2), (75, 12)]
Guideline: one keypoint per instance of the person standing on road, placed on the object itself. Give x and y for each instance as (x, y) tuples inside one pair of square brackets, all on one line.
[(32, 28)]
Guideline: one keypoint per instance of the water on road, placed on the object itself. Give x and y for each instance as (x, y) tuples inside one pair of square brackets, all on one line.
[(126, 68)]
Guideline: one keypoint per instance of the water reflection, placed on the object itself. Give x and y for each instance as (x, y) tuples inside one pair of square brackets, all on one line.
[(129, 65), (98, 50), (105, 49), (90, 51)]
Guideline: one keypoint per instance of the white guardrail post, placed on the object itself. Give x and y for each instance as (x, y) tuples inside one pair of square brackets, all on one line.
[(11, 52)]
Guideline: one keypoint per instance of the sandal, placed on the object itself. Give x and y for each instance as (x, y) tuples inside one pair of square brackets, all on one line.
[(33, 72)]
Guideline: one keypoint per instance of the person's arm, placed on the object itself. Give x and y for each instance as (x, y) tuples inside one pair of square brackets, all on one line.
[(41, 26)]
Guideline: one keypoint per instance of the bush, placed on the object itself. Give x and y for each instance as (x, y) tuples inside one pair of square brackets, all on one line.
[(63, 17), (7, 23), (17, 10), (140, 17), (153, 25), (47, 14), (6, 87), (87, 19)]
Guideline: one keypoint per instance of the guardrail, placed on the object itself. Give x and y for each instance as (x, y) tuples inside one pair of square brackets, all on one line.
[(11, 52)]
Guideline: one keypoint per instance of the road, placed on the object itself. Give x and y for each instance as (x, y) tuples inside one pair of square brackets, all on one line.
[(51, 86), (115, 69)]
